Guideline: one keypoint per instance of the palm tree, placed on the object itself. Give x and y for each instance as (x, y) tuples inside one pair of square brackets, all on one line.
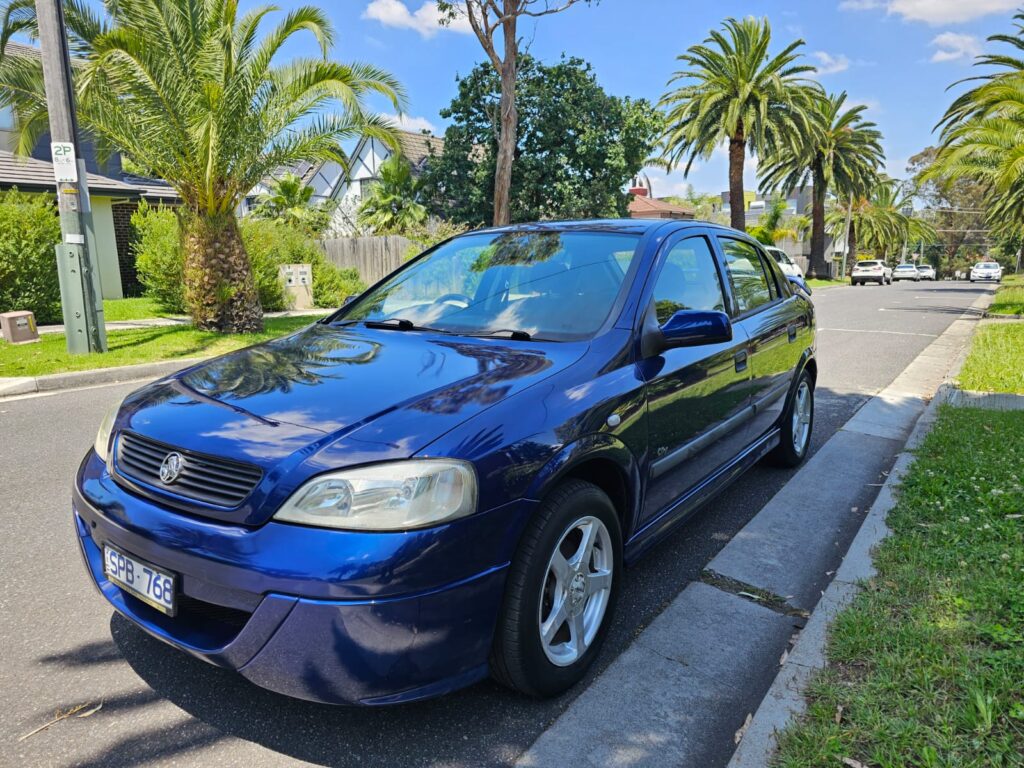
[(393, 205), (735, 92), (770, 227), (983, 135), (191, 92), (290, 200), (841, 152), (879, 222)]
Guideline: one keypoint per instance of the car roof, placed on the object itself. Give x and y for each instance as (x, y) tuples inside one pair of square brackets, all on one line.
[(623, 226)]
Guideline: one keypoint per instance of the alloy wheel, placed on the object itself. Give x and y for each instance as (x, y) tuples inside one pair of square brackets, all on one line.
[(801, 427), (576, 591)]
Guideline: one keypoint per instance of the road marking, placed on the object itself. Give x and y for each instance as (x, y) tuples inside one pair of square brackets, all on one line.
[(893, 333)]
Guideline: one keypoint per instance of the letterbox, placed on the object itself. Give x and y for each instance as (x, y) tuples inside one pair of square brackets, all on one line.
[(18, 327)]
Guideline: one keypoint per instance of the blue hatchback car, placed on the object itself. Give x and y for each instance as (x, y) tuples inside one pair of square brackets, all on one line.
[(444, 479)]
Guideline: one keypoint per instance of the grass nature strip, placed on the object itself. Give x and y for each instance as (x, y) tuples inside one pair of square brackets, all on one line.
[(996, 360), (926, 667), (132, 347), (1009, 299)]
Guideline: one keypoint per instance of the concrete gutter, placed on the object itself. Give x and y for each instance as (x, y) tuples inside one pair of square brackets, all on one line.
[(681, 693)]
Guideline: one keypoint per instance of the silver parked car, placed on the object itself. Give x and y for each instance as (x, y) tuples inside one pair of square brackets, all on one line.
[(926, 271), (870, 271), (906, 272)]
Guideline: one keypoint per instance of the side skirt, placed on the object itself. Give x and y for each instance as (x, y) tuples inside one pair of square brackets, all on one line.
[(665, 523)]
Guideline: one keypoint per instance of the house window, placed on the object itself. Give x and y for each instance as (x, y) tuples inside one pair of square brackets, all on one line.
[(365, 187), (6, 119)]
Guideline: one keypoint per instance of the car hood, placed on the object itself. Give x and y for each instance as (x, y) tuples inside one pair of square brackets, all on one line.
[(328, 397)]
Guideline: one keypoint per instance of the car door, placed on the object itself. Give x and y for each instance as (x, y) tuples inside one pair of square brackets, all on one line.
[(775, 322), (697, 397)]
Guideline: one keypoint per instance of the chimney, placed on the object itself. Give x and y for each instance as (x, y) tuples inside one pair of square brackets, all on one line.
[(639, 191)]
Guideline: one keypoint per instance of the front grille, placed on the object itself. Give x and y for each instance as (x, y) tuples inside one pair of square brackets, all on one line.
[(204, 478)]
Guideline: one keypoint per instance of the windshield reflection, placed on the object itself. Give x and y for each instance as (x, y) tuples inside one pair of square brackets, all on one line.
[(554, 285)]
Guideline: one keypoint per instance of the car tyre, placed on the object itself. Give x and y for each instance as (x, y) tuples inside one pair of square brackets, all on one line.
[(551, 573), (797, 425)]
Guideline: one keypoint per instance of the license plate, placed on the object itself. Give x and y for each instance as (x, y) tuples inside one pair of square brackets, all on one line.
[(141, 579)]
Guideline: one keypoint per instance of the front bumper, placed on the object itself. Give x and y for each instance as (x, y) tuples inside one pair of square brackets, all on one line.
[(266, 602)]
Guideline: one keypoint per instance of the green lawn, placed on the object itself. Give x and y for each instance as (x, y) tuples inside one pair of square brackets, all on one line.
[(1009, 299), (996, 360), (131, 309), (817, 282), (927, 664), (143, 345)]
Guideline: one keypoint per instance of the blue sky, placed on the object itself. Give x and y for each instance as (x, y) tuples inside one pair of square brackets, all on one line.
[(896, 56)]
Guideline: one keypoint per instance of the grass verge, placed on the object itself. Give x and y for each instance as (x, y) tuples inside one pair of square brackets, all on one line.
[(1009, 299), (817, 282), (142, 308), (132, 347), (926, 664), (996, 361)]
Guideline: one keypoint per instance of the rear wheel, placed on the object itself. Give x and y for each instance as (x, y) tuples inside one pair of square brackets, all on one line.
[(797, 424), (561, 592)]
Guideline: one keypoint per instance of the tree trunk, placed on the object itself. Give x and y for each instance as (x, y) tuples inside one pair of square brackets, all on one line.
[(817, 266), (851, 247), (509, 124), (220, 291), (737, 205)]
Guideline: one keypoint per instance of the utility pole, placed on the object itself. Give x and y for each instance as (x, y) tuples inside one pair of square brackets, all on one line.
[(846, 245), (80, 293)]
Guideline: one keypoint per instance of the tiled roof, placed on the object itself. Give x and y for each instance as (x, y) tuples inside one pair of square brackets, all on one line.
[(417, 147), (32, 175), (641, 206), (20, 49)]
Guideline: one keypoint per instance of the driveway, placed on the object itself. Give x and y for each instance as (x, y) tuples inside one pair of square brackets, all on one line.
[(63, 647)]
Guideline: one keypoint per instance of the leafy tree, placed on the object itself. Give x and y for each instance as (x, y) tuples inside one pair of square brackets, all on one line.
[(706, 207), (191, 92), (577, 147), (734, 91), (488, 18), (955, 206), (393, 205), (841, 152), (290, 201), (770, 227), (983, 136)]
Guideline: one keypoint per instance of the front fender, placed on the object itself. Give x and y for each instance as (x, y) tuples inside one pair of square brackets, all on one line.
[(595, 447)]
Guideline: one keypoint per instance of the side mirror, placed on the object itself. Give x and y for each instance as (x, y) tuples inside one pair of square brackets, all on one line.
[(800, 283), (692, 327)]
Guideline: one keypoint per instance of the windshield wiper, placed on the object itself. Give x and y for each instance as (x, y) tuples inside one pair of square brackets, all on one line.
[(510, 332), (401, 324)]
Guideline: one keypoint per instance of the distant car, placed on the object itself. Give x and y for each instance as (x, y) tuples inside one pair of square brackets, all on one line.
[(986, 270), (870, 272), (926, 271), (786, 264), (906, 272)]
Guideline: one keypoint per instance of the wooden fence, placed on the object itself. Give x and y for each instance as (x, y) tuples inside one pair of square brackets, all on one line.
[(373, 257)]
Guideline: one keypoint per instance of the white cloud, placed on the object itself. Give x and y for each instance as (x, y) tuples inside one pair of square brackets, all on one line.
[(426, 19), (953, 46), (934, 12), (410, 123), (829, 63)]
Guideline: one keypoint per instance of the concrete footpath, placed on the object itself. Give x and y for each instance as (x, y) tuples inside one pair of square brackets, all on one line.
[(687, 689)]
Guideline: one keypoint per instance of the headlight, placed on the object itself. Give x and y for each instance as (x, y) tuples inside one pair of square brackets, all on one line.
[(395, 496), (102, 444)]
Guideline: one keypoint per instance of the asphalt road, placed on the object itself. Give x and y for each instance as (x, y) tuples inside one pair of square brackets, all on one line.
[(62, 647)]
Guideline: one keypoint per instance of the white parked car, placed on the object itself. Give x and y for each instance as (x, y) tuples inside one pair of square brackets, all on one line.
[(786, 264), (986, 270), (906, 272), (870, 271), (926, 271)]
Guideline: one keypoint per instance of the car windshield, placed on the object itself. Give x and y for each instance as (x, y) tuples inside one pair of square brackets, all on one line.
[(905, 266), (552, 285)]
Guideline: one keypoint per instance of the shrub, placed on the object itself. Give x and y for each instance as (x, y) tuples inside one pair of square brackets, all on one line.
[(29, 230), (430, 234), (268, 243)]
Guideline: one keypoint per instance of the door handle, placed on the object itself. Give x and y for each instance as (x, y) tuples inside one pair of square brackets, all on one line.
[(792, 332), (741, 360)]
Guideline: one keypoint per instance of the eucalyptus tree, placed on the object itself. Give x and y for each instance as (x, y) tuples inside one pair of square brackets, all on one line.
[(840, 153), (194, 92), (733, 90)]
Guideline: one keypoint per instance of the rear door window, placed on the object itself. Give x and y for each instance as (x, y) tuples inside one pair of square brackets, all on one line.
[(751, 284)]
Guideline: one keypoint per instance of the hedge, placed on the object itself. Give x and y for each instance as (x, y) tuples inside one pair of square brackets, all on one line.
[(29, 231)]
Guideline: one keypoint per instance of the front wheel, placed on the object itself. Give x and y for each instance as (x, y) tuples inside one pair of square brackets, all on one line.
[(561, 592), (797, 424)]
